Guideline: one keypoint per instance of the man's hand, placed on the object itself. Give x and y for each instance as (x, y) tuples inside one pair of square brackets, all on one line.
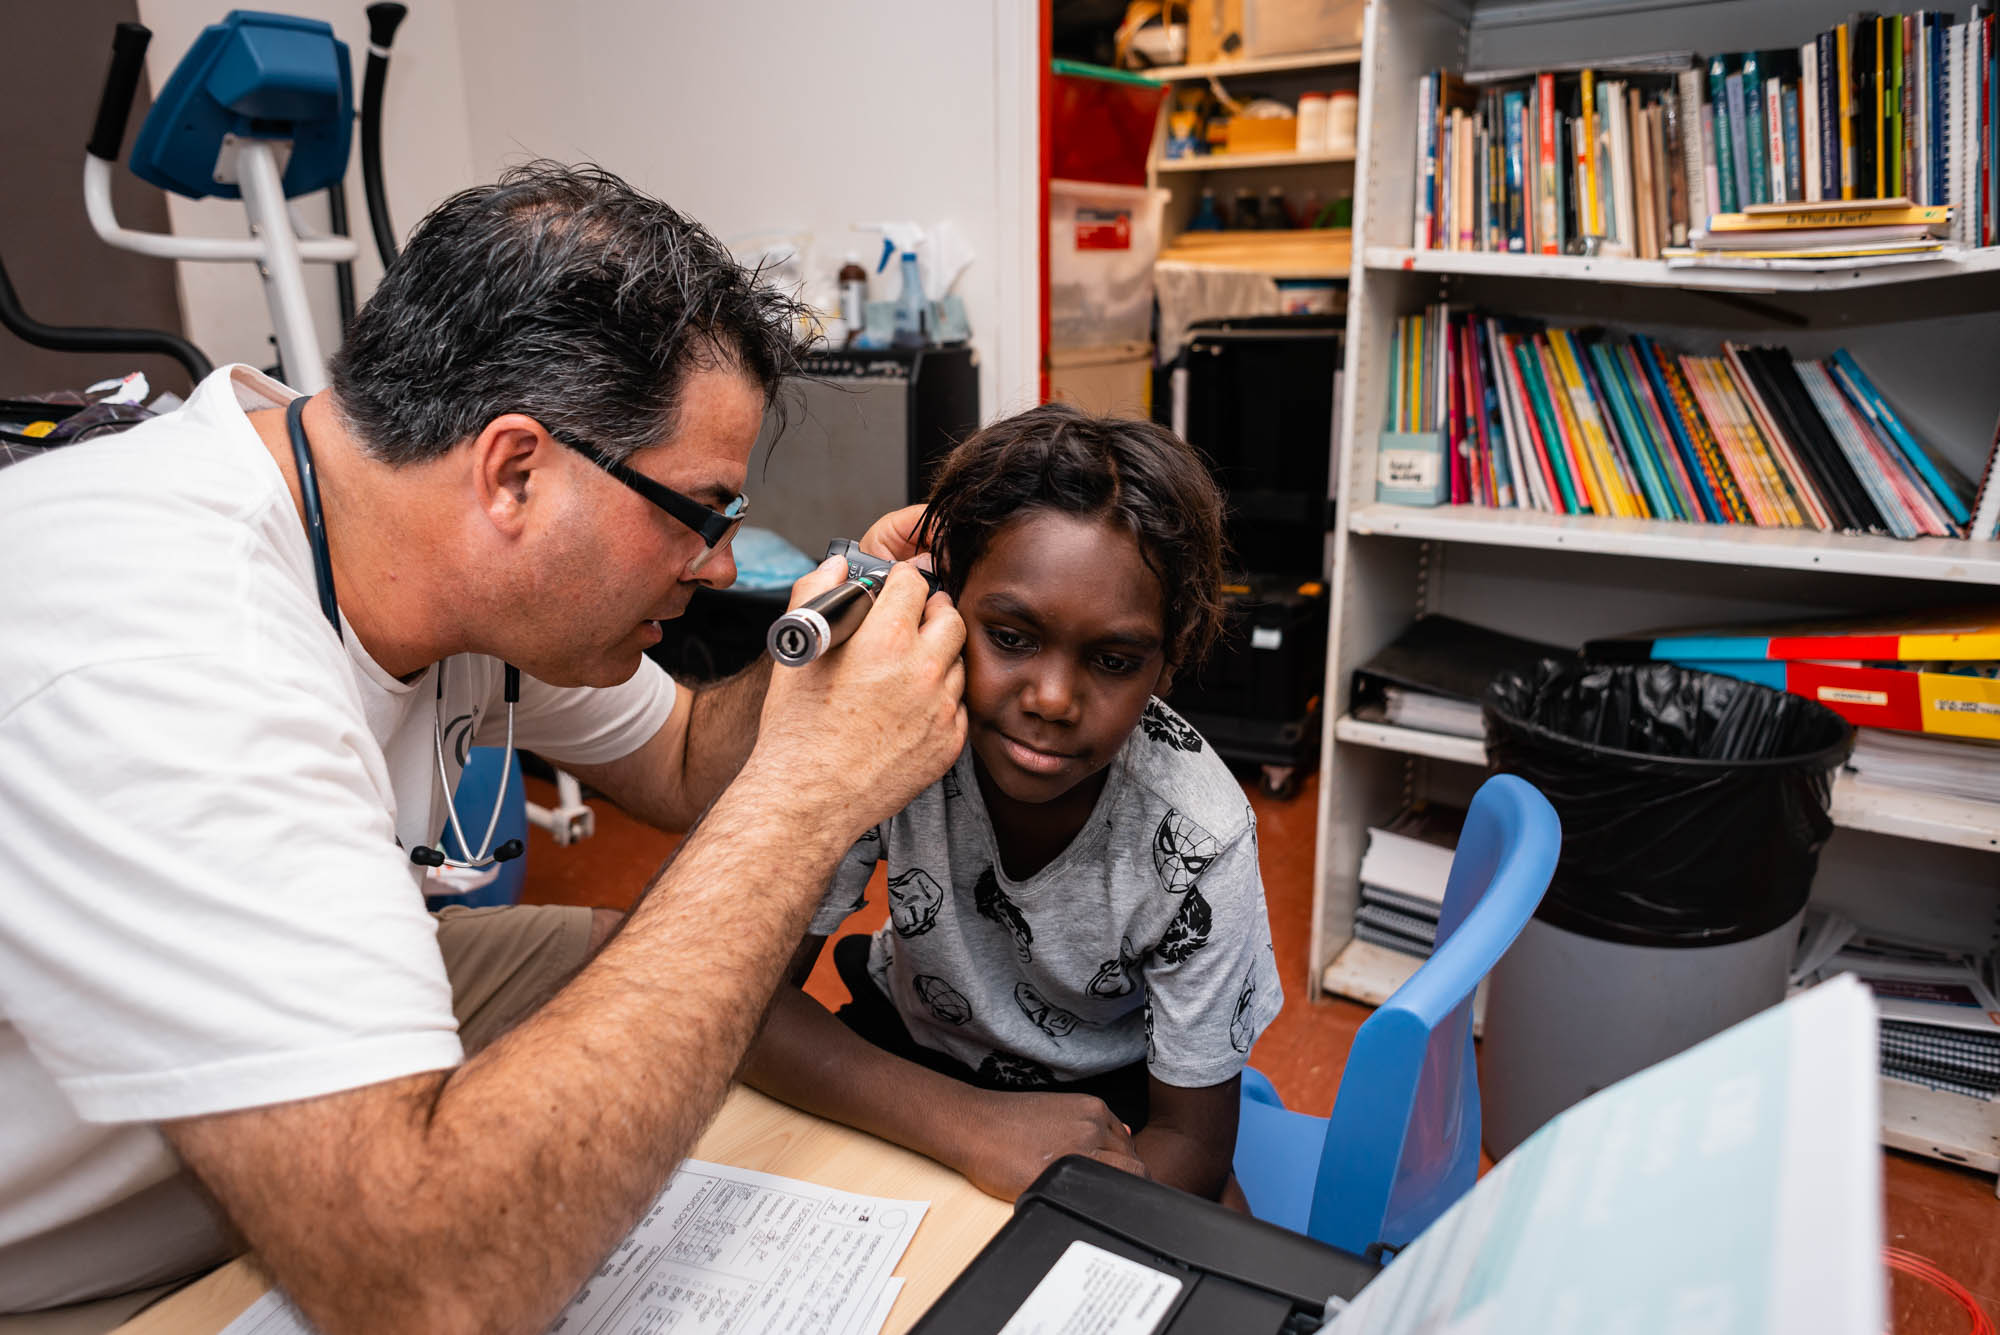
[(1012, 1137), (851, 737)]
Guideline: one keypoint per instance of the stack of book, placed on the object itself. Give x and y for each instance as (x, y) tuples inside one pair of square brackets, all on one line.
[(1935, 673), (1940, 1019), (1807, 235), (1591, 422), (1927, 764), (1631, 159), (1403, 877)]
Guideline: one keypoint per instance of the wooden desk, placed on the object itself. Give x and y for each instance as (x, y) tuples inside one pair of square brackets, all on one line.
[(751, 1131)]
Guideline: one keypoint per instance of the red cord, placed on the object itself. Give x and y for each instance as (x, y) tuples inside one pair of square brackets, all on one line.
[(1912, 1264)]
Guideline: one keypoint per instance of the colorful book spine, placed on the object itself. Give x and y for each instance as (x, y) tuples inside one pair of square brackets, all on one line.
[(1703, 485), (1729, 198), (1887, 420), (1947, 704), (1747, 102)]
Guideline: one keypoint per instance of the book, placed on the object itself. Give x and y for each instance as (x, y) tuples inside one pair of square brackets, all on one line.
[(1443, 656), (1969, 634), (1958, 702), (1859, 215), (1816, 239), (1985, 524), (1747, 96), (1810, 146), (1922, 762)]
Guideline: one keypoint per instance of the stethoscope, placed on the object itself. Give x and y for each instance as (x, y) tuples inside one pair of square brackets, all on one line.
[(424, 855)]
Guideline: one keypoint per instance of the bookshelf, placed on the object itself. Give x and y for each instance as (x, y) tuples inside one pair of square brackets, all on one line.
[(1927, 865), (1331, 174)]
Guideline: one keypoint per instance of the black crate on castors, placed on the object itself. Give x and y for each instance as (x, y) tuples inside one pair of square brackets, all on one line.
[(1256, 697)]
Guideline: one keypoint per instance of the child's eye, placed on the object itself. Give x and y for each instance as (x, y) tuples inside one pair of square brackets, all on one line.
[(1118, 665), (1006, 640)]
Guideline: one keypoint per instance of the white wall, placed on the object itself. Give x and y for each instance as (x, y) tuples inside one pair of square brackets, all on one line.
[(755, 116)]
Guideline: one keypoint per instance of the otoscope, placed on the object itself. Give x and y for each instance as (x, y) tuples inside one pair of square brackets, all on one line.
[(807, 631)]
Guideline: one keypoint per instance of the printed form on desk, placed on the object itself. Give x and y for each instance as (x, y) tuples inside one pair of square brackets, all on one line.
[(725, 1251)]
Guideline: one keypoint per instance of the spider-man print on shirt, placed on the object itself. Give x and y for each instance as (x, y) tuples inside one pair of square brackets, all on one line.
[(1239, 1024), (1182, 851), (944, 1001), (1116, 978), (1149, 1029), (1162, 725), (1188, 932), (992, 902), (914, 900), (1011, 1072), (950, 785), (1051, 1020)]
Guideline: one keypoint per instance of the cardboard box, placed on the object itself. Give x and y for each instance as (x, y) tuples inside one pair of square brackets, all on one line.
[(1215, 31), (1263, 134), (1294, 27)]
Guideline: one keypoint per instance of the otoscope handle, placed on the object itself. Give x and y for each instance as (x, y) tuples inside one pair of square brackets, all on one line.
[(812, 628)]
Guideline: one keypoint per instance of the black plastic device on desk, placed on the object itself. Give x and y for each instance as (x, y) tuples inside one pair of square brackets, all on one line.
[(1237, 1274)]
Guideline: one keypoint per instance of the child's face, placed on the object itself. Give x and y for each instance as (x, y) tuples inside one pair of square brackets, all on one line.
[(1065, 640)]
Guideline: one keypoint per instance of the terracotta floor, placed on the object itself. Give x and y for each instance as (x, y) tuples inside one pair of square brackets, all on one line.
[(1947, 1214)]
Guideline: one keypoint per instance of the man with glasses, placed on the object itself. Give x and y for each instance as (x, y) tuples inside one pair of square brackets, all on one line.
[(225, 1017)]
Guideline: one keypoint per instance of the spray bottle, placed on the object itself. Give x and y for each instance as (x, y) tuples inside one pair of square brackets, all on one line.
[(912, 308)]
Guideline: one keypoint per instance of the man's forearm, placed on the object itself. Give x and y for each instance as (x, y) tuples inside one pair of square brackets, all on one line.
[(481, 1199), (722, 729)]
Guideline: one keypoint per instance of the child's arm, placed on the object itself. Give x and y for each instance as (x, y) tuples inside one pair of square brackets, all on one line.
[(999, 1141), (1190, 1136)]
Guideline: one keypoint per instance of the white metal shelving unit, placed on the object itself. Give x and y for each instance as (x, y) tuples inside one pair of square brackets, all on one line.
[(1931, 331)]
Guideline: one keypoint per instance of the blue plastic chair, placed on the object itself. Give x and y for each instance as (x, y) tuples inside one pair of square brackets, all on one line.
[(1402, 1142)]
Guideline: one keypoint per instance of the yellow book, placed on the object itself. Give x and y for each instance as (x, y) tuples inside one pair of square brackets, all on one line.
[(1750, 444), (1597, 446), (1586, 157), (1846, 116), (1786, 218), (1701, 380), (1582, 467)]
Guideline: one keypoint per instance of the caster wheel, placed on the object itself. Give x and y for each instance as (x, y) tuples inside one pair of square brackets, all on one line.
[(1280, 781)]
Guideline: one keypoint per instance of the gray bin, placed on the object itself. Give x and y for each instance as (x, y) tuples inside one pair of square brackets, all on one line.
[(1693, 809)]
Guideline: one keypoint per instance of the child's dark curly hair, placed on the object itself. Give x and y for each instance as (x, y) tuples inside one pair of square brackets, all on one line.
[(1133, 472)]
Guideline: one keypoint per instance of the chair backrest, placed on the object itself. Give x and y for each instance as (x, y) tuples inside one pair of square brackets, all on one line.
[(1402, 1142)]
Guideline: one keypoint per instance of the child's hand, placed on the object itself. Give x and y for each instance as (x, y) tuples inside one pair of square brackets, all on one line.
[(1013, 1137), (894, 535)]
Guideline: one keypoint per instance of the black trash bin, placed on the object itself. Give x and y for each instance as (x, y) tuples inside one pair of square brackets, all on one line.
[(1693, 808)]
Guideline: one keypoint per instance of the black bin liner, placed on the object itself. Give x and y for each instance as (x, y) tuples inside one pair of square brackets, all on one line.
[(1693, 805)]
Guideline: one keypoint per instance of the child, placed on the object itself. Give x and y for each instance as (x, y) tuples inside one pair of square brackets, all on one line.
[(1075, 908)]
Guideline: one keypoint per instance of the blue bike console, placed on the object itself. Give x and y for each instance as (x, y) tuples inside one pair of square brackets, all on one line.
[(254, 76)]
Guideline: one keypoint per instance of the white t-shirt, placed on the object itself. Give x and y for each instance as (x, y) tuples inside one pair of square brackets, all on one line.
[(205, 902)]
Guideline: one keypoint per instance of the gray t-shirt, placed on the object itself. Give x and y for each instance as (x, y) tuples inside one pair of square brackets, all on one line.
[(1146, 937)]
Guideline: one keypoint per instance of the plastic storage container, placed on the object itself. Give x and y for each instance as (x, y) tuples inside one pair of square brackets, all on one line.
[(1693, 808), (1103, 240)]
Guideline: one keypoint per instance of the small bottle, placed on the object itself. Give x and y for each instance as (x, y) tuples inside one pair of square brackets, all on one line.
[(1243, 217), (1305, 211), (853, 281), (1207, 216), (1275, 217), (1312, 123), (910, 307)]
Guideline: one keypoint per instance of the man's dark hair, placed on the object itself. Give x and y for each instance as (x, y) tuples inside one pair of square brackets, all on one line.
[(1134, 473), (563, 293)]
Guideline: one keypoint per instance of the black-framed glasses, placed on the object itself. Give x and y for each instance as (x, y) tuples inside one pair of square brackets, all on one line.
[(715, 527)]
